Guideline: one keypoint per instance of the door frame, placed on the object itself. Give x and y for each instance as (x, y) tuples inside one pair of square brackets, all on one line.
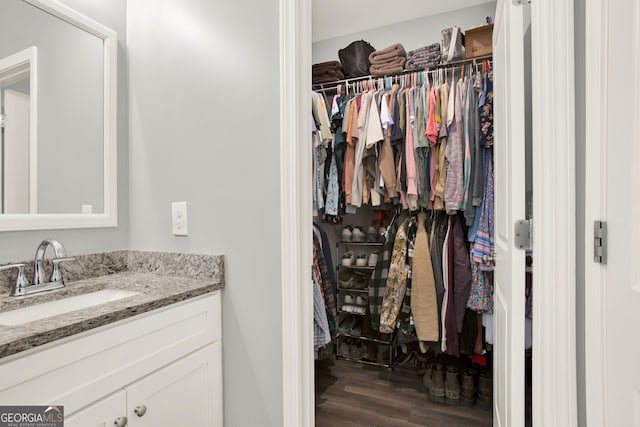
[(554, 353), (596, 76)]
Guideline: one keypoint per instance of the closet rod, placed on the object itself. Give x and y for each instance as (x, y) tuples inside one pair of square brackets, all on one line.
[(454, 64)]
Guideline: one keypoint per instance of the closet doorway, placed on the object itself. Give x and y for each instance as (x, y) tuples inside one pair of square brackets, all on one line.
[(343, 385), (554, 239)]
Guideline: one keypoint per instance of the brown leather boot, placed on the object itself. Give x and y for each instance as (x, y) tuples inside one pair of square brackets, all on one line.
[(452, 386), (426, 379), (485, 390), (468, 387), (436, 387)]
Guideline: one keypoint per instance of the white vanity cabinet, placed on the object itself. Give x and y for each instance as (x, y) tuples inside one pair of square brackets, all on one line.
[(161, 368)]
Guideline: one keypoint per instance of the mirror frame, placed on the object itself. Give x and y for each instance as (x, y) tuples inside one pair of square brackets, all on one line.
[(109, 218)]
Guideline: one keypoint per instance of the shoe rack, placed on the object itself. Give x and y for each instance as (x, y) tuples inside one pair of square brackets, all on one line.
[(356, 340)]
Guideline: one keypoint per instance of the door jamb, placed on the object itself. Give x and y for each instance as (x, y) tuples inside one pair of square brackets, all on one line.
[(596, 55)]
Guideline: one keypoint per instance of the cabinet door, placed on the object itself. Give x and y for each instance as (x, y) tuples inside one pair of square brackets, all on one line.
[(187, 392), (103, 413)]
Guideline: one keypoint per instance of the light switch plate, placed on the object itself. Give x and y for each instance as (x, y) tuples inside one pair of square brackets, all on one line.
[(179, 219)]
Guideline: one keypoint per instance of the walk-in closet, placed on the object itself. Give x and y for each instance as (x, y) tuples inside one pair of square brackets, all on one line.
[(404, 200)]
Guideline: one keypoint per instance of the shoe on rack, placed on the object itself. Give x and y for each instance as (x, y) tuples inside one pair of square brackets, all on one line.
[(349, 299), (362, 301), (346, 280), (346, 324), (356, 328), (372, 235), (346, 233), (361, 260), (468, 388), (357, 350), (359, 310), (361, 280), (347, 259), (452, 385), (344, 347), (370, 352), (358, 235), (373, 259), (384, 353), (436, 385)]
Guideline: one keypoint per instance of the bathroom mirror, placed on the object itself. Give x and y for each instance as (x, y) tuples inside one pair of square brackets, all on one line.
[(58, 115)]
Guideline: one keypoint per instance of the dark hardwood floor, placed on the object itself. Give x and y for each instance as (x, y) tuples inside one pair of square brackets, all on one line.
[(349, 394)]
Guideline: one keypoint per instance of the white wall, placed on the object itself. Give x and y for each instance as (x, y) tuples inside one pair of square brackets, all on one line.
[(411, 34), (204, 91), (18, 246)]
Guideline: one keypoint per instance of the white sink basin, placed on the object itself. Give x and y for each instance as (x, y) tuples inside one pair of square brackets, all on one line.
[(61, 306)]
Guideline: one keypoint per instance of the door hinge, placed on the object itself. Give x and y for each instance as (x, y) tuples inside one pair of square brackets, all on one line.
[(521, 2), (3, 120), (523, 233), (600, 242)]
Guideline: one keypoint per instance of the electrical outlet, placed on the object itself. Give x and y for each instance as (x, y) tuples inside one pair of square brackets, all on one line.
[(86, 209), (179, 218)]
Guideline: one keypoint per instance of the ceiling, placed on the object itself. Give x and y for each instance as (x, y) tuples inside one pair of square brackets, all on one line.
[(335, 18)]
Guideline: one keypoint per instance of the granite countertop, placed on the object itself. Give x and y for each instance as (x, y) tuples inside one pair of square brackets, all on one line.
[(159, 278)]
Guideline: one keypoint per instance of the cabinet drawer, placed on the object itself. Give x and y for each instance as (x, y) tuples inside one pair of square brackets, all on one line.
[(79, 370)]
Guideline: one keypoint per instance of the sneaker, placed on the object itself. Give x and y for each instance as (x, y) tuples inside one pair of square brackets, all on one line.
[(359, 310), (361, 301), (348, 299), (370, 352), (346, 234), (357, 350), (468, 387), (373, 259), (383, 353), (361, 260), (358, 235), (436, 385), (345, 347), (347, 259), (346, 279), (452, 386), (356, 328), (346, 324), (372, 235), (361, 280)]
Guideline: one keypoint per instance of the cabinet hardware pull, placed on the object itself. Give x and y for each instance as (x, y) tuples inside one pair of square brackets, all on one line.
[(140, 410), (120, 422)]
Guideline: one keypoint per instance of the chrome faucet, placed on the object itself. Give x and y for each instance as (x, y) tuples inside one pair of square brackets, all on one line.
[(40, 283)]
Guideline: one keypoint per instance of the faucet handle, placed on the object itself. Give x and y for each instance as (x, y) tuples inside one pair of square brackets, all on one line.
[(21, 280), (56, 275)]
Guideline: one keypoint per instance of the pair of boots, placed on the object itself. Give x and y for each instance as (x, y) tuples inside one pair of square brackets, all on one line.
[(453, 387)]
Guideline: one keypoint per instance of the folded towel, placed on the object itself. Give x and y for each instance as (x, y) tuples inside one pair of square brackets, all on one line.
[(391, 67), (387, 54), (326, 76), (330, 65)]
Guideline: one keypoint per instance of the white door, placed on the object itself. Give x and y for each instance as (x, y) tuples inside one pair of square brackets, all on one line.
[(16, 153), (509, 170), (107, 412), (613, 163), (185, 393)]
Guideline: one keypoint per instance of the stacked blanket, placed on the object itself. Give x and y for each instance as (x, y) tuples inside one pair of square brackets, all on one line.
[(326, 72), (424, 57), (390, 60)]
